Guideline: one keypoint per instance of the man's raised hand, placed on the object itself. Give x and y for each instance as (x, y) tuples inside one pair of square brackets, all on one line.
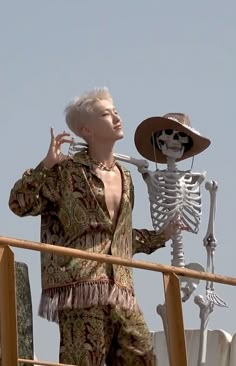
[(55, 155)]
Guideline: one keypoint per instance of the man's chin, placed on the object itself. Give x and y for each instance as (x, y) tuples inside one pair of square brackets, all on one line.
[(121, 136)]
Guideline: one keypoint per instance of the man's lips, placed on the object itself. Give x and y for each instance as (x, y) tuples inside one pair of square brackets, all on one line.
[(118, 126)]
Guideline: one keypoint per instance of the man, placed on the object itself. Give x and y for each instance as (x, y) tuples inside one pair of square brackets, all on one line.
[(86, 202)]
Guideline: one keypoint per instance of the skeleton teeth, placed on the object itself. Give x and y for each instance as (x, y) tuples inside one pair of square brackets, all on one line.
[(174, 148)]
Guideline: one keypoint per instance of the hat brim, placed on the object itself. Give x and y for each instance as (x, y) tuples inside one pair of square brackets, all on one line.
[(146, 130)]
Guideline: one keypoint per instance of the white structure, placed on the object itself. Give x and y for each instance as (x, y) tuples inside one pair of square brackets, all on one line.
[(220, 350)]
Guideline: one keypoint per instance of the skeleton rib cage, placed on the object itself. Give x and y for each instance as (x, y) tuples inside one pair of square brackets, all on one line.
[(174, 196)]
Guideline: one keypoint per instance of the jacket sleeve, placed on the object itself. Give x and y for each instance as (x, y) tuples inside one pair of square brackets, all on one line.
[(38, 190), (145, 241)]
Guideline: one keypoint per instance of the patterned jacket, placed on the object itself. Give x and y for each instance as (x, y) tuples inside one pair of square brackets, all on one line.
[(71, 201)]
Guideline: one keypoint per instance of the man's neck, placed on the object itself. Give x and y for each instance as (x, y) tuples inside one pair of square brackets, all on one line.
[(102, 153)]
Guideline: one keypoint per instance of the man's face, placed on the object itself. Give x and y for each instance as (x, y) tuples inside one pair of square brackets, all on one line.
[(104, 122)]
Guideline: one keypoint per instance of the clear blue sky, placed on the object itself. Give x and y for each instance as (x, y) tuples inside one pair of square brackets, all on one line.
[(155, 57)]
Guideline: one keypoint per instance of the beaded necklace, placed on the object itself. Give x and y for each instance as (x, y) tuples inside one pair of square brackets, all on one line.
[(103, 166)]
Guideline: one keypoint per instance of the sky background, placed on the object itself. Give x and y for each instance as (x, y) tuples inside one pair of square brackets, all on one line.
[(155, 57)]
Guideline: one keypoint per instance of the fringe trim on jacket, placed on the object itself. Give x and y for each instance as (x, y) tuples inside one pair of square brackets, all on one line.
[(83, 295)]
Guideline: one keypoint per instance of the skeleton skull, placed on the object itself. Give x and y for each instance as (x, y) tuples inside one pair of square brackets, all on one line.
[(172, 143)]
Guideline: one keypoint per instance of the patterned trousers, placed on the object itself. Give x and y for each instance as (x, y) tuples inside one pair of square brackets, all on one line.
[(103, 334)]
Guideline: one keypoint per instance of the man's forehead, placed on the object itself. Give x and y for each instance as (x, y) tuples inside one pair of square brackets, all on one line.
[(104, 104)]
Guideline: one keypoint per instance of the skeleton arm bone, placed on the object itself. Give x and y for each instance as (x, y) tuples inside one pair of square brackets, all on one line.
[(209, 239), (210, 243), (140, 163)]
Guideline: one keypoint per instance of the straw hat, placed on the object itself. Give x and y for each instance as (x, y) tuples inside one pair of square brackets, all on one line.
[(145, 136)]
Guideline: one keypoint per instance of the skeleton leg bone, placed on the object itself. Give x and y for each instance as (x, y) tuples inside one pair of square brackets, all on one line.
[(161, 310), (206, 308)]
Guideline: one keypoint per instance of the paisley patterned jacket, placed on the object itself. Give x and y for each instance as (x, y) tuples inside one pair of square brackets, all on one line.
[(71, 201)]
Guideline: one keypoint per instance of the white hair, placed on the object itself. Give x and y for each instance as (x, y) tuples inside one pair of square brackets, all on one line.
[(80, 107)]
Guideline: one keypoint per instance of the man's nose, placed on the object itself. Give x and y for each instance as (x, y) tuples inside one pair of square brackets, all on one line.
[(116, 118)]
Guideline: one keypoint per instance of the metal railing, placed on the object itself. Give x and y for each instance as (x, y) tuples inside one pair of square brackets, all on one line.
[(8, 318)]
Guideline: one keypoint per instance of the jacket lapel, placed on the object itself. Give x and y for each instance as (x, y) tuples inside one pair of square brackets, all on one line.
[(125, 198)]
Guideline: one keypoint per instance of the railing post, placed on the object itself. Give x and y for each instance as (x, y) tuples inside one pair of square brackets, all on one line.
[(8, 308), (175, 325)]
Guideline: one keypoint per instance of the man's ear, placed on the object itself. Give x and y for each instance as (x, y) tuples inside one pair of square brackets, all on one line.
[(85, 131)]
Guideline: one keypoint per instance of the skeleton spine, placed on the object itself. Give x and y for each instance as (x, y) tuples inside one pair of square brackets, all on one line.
[(177, 238)]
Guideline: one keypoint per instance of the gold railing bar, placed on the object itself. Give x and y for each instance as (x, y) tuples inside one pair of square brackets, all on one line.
[(36, 362), (25, 244)]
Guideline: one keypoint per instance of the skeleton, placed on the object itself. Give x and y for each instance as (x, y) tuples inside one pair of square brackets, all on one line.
[(175, 197), (178, 199)]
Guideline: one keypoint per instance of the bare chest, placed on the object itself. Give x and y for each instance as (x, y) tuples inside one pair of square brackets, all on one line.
[(112, 181)]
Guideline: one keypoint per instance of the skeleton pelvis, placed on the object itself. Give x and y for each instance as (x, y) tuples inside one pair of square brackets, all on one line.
[(190, 283)]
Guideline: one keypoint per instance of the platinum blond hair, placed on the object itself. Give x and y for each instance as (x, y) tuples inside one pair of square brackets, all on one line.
[(79, 108)]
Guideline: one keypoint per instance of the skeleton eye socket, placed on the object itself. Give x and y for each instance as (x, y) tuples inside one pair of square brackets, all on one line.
[(168, 131), (182, 134)]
